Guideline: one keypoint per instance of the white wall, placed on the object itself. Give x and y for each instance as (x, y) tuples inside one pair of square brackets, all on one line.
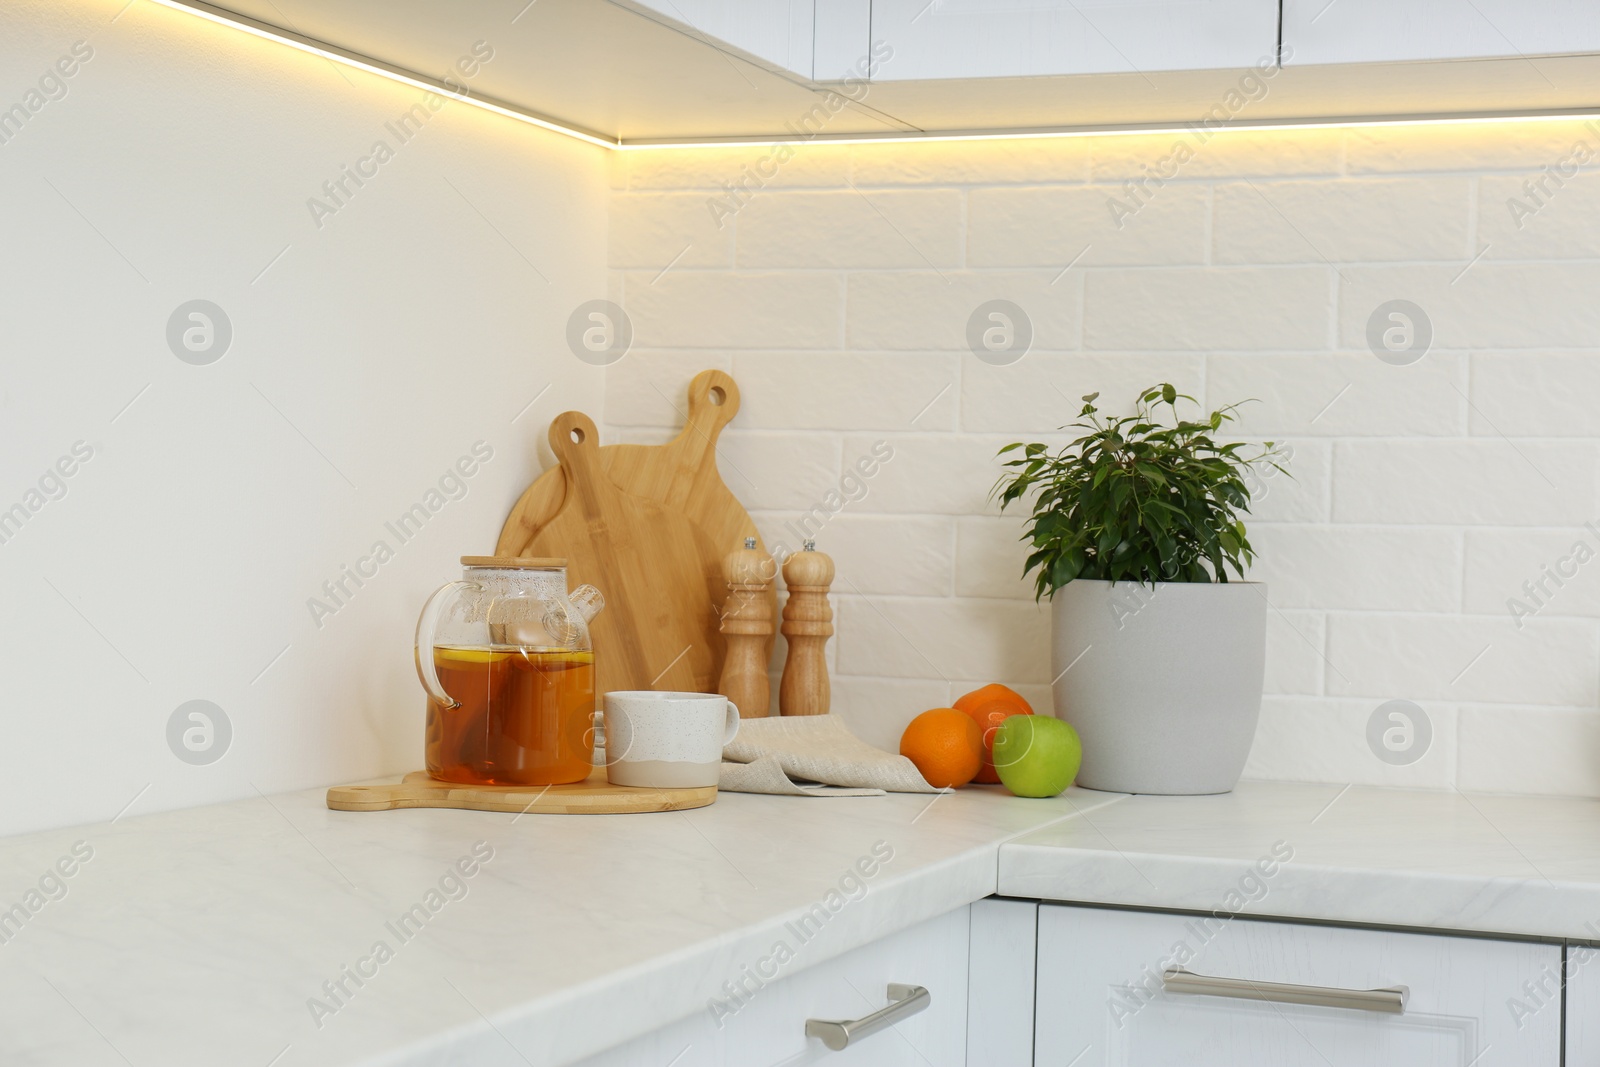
[(838, 295), (427, 312), (420, 318)]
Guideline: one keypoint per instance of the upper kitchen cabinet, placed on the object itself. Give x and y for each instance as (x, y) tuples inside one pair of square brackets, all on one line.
[(778, 31), (641, 72), (820, 40), (1006, 38), (666, 70), (1379, 31)]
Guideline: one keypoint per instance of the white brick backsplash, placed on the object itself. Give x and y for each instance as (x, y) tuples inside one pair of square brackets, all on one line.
[(1536, 394), (1042, 393), (899, 555), (932, 474), (1529, 750), (717, 309), (928, 311), (1486, 305), (1054, 226), (1325, 740), (928, 637), (1521, 147), (1207, 308), (652, 230), (1238, 152), (1360, 568), (1422, 498), (1481, 660), (1494, 482), (1519, 220), (1295, 661), (1526, 566), (1341, 394), (711, 169), (1341, 222), (990, 554), (878, 710), (912, 228), (1301, 494), (651, 388), (773, 471), (953, 163), (832, 391)]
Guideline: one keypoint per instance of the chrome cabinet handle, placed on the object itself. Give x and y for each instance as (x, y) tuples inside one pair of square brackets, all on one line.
[(1391, 1000), (904, 1002)]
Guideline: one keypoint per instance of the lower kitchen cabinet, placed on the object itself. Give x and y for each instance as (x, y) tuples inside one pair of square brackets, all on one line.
[(1108, 995), (1016, 984), (769, 1028), (1583, 1004)]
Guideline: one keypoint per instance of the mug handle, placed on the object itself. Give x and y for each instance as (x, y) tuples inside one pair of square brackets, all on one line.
[(731, 730)]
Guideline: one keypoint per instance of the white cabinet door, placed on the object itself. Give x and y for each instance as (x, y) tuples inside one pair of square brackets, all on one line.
[(1582, 969), (1101, 1001), (768, 1026), (1000, 990), (778, 31), (842, 39), (1376, 31), (1012, 38)]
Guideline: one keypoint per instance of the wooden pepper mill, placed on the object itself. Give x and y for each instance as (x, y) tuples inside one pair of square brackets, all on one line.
[(807, 624), (747, 626)]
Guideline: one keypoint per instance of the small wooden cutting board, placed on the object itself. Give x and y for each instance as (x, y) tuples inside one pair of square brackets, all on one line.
[(682, 478), (594, 796), (681, 474), (644, 559)]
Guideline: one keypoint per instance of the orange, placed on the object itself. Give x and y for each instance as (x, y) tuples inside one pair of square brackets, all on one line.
[(946, 746), (989, 707)]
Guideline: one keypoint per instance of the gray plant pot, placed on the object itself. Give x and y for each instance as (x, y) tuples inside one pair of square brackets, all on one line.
[(1162, 684)]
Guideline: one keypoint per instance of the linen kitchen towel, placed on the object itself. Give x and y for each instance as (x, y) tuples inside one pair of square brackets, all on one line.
[(785, 756)]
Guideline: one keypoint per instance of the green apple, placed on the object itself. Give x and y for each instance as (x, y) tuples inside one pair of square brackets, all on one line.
[(1036, 755)]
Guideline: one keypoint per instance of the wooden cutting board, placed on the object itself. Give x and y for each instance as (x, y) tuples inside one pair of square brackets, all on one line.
[(595, 796), (681, 476), (646, 562)]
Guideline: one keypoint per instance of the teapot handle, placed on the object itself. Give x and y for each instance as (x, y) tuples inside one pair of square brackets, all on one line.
[(587, 601), (427, 625)]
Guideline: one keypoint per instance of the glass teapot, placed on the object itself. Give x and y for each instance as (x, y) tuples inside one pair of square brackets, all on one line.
[(505, 657)]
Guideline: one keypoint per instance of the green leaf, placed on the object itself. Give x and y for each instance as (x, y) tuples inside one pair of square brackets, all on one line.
[(1065, 569), (1135, 500)]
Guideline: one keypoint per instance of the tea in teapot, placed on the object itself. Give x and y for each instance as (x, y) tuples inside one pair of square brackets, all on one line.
[(505, 657)]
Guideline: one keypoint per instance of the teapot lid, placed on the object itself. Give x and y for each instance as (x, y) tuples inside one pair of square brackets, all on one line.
[(514, 562)]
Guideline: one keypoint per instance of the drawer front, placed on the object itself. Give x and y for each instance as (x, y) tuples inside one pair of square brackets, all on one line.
[(1102, 1001), (1384, 31), (769, 1028), (1008, 38), (1582, 969)]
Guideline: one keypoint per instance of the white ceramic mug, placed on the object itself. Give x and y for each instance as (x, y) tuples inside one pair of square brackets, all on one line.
[(667, 740)]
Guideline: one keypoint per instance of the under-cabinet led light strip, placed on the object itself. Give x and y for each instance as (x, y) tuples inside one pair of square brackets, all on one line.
[(336, 54), (383, 70)]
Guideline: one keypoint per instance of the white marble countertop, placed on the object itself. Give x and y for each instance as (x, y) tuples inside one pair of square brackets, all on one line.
[(198, 937), (1441, 860)]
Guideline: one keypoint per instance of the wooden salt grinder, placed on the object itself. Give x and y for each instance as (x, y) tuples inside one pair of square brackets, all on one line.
[(747, 625), (807, 624)]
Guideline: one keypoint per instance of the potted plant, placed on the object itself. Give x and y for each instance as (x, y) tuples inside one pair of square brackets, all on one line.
[(1157, 652)]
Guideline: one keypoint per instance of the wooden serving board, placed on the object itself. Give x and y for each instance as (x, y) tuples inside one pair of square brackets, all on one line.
[(594, 796), (680, 476), (645, 560)]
